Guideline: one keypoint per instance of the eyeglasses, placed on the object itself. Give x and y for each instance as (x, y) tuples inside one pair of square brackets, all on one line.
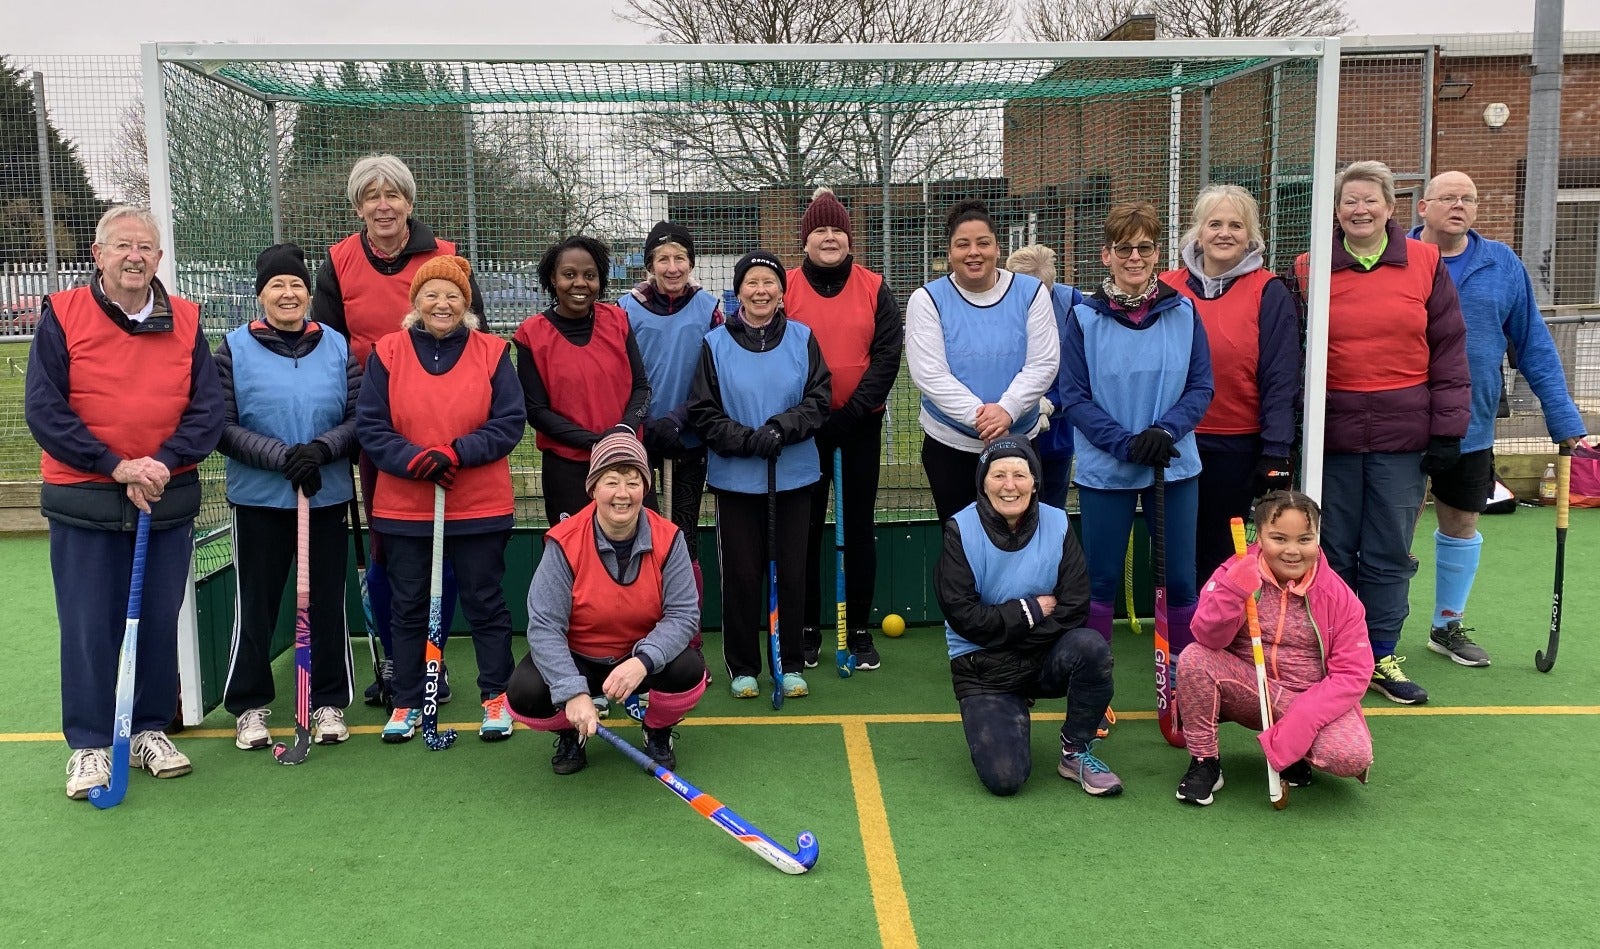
[(1450, 200), (1124, 251)]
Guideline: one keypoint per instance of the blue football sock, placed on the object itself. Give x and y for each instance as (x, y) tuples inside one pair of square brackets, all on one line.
[(1455, 567)]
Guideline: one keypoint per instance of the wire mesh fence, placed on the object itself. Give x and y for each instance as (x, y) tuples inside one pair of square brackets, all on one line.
[(512, 156)]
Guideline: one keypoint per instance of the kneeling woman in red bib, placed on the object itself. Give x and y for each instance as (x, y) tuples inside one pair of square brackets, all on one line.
[(611, 609), (440, 405)]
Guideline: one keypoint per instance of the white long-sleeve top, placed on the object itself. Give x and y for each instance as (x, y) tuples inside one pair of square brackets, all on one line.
[(930, 370)]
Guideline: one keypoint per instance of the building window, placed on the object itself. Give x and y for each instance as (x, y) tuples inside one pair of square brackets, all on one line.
[(1577, 247)]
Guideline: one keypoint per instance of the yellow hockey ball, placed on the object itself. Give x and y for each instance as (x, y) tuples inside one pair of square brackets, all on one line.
[(894, 626)]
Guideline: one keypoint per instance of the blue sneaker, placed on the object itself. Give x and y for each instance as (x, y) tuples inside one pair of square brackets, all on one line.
[(744, 687), (1390, 682), (1077, 764), (402, 725), (794, 686), (496, 719)]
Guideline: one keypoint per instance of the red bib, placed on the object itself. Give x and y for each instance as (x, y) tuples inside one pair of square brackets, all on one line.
[(1233, 331), (375, 303), (1378, 322), (609, 618), (432, 410), (588, 384), (843, 325), (130, 390)]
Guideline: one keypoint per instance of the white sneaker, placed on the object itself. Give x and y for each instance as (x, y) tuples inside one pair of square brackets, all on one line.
[(251, 732), (327, 726), (89, 768), (155, 752)]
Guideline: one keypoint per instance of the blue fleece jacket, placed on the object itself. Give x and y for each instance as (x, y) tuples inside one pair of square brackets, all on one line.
[(1498, 305)]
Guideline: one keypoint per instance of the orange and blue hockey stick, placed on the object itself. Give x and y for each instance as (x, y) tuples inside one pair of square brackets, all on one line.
[(713, 810)]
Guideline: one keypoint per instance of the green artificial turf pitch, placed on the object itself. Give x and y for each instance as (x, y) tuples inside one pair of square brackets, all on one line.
[(1478, 829)]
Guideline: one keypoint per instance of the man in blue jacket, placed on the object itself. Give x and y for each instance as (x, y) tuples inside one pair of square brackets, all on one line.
[(1498, 304)]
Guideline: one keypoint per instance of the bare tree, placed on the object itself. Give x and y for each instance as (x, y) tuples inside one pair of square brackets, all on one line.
[(801, 123), (1065, 21), (130, 169)]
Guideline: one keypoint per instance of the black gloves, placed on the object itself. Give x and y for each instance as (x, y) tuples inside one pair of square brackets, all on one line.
[(1442, 454), (663, 437), (1272, 474), (303, 466), (765, 442), (1152, 448)]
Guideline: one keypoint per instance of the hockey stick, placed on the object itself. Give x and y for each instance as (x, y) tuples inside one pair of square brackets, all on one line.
[(286, 754), (435, 739), (1545, 660), (1166, 668), (841, 654), (385, 697), (112, 794), (713, 810), (1127, 588), (772, 584), (1277, 792)]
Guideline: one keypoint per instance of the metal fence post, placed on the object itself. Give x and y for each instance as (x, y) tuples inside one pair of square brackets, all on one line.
[(41, 122)]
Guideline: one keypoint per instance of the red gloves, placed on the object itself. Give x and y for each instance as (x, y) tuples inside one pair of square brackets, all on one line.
[(437, 464)]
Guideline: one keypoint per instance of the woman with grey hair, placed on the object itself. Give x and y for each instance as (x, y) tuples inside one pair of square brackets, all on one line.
[(1398, 403), (1252, 322), (363, 292), (1054, 441)]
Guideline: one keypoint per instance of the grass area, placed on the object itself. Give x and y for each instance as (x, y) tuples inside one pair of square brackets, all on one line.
[(1478, 828)]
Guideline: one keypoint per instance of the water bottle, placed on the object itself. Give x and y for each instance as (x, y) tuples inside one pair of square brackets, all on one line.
[(1547, 485)]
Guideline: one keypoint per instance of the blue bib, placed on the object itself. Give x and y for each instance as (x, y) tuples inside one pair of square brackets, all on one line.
[(670, 347), (984, 346), (1136, 375), (755, 387), (1003, 575), (293, 400)]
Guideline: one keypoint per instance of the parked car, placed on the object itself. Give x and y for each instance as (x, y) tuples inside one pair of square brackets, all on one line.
[(19, 317)]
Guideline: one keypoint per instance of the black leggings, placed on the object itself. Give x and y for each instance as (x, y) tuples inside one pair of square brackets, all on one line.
[(997, 724), (862, 447)]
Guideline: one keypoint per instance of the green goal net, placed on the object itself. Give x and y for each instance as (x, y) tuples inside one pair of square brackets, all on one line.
[(514, 149)]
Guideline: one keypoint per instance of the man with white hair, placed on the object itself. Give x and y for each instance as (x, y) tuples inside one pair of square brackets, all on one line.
[(1498, 304), (123, 397)]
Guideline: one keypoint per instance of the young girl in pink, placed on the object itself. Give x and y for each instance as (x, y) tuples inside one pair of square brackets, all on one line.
[(1314, 637)]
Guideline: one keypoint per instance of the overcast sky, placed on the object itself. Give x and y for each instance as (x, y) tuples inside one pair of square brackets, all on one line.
[(99, 26)]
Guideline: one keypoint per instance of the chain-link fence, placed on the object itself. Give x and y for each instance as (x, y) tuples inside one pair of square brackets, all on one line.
[(511, 156)]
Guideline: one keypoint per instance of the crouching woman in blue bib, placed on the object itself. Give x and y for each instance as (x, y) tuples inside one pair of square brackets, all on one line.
[(1015, 594), (758, 396)]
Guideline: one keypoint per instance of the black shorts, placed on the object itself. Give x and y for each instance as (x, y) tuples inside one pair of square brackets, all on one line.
[(1467, 486)]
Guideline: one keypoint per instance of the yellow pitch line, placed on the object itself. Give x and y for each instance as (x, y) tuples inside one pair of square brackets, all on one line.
[(911, 718), (883, 868)]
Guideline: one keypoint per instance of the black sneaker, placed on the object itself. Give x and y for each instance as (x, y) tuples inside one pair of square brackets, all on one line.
[(1297, 775), (1203, 777), (658, 745), (1452, 640), (861, 648), (810, 645), (1393, 684), (444, 685), (382, 688), (570, 757)]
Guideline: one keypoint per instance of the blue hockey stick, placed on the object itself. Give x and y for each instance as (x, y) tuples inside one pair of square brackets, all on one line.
[(111, 795), (841, 653), (718, 813), (772, 583)]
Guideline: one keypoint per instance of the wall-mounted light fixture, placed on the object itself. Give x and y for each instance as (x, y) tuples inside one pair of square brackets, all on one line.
[(1453, 88)]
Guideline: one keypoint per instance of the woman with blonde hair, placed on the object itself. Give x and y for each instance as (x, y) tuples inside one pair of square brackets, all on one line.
[(1252, 325)]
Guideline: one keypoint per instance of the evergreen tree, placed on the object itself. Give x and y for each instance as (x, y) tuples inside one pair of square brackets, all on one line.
[(76, 208)]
